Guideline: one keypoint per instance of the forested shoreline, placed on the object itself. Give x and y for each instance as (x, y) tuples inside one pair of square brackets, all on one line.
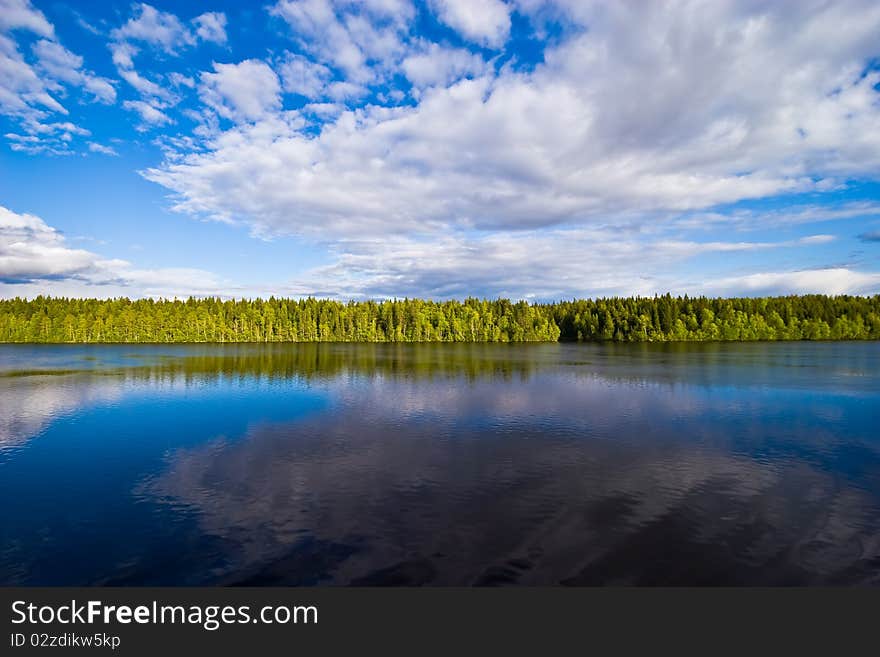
[(635, 319)]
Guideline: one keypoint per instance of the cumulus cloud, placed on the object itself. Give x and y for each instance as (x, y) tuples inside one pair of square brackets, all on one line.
[(157, 28), (165, 32), (181, 80), (486, 22), (636, 136), (49, 138), (25, 96), (61, 64), (537, 264), (23, 93), (21, 15), (643, 113), (245, 91), (147, 88), (211, 26), (95, 147), (362, 40), (150, 114), (30, 86), (435, 64), (30, 249), (832, 280), (152, 93), (343, 90), (36, 259), (302, 76)]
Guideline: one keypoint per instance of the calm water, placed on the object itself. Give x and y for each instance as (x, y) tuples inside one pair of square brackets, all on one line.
[(440, 464)]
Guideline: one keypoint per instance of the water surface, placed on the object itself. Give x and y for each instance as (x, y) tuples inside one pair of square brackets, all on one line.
[(574, 464)]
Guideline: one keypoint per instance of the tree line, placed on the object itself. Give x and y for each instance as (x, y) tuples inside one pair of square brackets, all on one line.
[(634, 319)]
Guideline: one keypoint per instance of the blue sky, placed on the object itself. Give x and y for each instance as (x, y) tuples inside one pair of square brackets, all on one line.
[(533, 149)]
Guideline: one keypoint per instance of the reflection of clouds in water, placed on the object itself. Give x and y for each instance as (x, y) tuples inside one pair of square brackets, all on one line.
[(28, 404), (400, 485), (548, 396), (450, 465), (584, 403)]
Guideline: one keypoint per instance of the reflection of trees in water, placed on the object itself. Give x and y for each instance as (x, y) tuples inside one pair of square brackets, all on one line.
[(323, 361), (363, 497), (840, 367), (309, 361)]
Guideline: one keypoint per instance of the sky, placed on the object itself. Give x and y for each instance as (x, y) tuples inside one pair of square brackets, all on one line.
[(530, 149)]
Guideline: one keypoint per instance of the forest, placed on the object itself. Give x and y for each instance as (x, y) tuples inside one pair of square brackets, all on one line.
[(634, 319)]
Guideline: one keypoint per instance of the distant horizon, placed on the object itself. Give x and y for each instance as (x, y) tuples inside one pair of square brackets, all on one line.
[(522, 149), (463, 299)]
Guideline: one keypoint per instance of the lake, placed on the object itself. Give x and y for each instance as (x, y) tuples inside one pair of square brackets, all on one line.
[(474, 464)]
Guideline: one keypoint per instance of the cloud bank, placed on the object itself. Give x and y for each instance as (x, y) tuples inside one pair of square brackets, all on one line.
[(37, 259)]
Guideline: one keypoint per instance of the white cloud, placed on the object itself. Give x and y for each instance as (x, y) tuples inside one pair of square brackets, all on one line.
[(123, 57), (26, 89), (180, 80), (211, 26), (363, 40), (791, 215), (61, 64), (95, 147), (157, 28), (651, 111), (435, 64), (343, 90), (147, 88), (817, 239), (23, 93), (123, 54), (48, 138), (538, 264), (245, 91), (86, 25), (167, 33), (67, 127), (835, 280), (21, 15), (36, 259), (30, 249), (642, 118), (303, 76), (101, 88), (324, 110), (151, 115), (486, 22), (21, 138), (58, 61), (321, 30)]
